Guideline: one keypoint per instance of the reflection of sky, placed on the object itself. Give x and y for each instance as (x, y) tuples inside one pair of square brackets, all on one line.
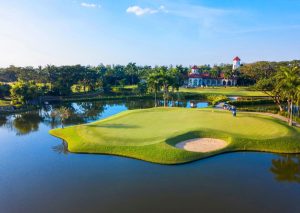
[(32, 173), (185, 104), (111, 110), (77, 108), (82, 114), (233, 98), (199, 104)]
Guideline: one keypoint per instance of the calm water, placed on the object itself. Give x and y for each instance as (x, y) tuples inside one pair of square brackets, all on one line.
[(37, 174)]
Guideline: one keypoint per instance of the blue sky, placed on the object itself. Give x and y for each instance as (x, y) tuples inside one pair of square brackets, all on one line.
[(153, 32)]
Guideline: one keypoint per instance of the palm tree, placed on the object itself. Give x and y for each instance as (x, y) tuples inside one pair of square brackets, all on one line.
[(288, 84), (165, 79), (62, 113), (154, 85), (162, 77), (286, 168), (132, 71)]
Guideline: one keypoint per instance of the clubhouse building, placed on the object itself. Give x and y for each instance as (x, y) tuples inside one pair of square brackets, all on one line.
[(202, 79)]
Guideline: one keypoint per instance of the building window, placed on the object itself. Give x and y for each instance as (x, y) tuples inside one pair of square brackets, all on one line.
[(195, 83)]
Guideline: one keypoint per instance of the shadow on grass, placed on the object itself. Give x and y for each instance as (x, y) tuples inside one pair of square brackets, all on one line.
[(114, 126)]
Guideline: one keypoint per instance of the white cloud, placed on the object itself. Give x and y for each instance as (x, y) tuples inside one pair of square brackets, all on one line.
[(207, 17), (137, 10), (90, 5), (162, 8)]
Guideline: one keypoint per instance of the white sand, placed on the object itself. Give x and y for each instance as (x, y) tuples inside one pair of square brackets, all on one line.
[(202, 145)]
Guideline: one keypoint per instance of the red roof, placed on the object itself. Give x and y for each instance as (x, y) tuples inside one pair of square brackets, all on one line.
[(207, 75), (195, 75), (237, 59), (200, 75), (195, 67)]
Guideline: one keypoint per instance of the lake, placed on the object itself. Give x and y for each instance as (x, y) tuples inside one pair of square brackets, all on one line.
[(37, 174)]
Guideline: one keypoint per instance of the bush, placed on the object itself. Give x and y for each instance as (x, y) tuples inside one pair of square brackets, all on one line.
[(215, 99), (251, 102), (25, 92), (141, 88), (268, 109)]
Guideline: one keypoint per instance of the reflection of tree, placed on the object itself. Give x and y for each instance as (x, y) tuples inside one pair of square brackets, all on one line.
[(62, 114), (61, 148), (139, 104), (3, 120), (92, 110), (287, 168), (27, 122), (182, 104)]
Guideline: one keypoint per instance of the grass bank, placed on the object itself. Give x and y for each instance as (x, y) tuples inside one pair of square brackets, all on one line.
[(228, 91), (151, 134)]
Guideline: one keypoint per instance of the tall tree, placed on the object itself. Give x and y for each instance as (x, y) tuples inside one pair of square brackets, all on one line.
[(270, 88), (288, 84), (165, 79), (132, 71), (154, 85)]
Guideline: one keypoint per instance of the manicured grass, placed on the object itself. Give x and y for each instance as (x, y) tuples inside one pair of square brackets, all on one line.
[(228, 91), (151, 134), (130, 86), (4, 103)]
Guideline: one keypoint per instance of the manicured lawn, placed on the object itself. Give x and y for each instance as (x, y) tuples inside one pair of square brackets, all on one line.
[(229, 91), (151, 134), (4, 102)]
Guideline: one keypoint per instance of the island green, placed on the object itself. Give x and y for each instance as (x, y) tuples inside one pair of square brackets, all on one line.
[(151, 134)]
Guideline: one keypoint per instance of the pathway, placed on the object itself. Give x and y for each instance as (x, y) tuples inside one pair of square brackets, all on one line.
[(220, 106), (285, 119)]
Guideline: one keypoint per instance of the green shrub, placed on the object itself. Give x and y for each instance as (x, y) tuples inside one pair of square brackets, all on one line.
[(214, 99), (251, 102)]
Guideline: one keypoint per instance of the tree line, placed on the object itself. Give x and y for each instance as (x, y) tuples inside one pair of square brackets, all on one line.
[(30, 82), (279, 80)]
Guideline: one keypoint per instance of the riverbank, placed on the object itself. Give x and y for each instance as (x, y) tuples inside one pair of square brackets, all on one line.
[(180, 95), (10, 109), (152, 134)]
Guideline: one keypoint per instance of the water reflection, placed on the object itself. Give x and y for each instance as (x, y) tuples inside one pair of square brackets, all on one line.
[(27, 122), (81, 112), (61, 148), (286, 168), (3, 120)]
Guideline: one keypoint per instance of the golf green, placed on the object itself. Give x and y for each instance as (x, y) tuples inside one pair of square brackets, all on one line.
[(151, 134)]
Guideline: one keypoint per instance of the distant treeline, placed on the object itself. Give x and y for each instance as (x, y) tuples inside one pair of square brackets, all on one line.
[(32, 82), (93, 77)]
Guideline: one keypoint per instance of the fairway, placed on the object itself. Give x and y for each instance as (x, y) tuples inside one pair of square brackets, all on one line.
[(228, 91), (151, 134)]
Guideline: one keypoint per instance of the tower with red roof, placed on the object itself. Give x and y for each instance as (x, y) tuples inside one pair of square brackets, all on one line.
[(236, 63), (195, 70)]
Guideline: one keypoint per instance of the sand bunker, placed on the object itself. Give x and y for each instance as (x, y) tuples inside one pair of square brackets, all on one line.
[(202, 145)]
